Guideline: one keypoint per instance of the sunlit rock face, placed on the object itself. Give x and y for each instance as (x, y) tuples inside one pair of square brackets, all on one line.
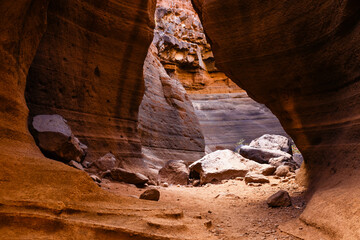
[(184, 50), (168, 126), (88, 69), (301, 59)]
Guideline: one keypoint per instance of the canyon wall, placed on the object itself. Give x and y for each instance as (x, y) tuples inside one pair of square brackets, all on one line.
[(168, 126), (301, 59), (88, 69), (85, 42), (225, 112)]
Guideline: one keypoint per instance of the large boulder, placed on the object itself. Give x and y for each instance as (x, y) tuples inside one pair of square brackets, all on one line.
[(272, 142), (261, 155), (174, 172), (122, 175), (222, 164), (55, 139)]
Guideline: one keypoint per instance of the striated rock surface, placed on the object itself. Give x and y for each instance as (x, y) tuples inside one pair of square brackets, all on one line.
[(168, 126), (88, 69), (301, 59), (227, 118), (44, 199)]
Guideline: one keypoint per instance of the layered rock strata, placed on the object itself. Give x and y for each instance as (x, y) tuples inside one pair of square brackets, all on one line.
[(301, 59), (41, 198), (227, 118), (168, 126), (88, 69)]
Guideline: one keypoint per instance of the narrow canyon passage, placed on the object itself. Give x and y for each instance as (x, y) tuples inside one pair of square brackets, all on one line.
[(132, 119)]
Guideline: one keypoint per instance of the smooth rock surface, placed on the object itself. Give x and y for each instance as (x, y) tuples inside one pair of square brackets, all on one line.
[(267, 169), (174, 172), (262, 155), (55, 138), (282, 171), (222, 164), (279, 199), (150, 194), (122, 175)]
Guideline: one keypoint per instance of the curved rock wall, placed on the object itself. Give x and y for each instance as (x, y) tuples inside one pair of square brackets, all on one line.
[(168, 126), (88, 69), (301, 59)]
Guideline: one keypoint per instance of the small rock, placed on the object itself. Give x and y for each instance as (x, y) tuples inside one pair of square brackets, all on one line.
[(121, 175), (150, 194), (106, 174), (239, 178), (255, 178), (76, 165), (267, 169), (208, 224), (165, 184), (196, 183), (279, 199), (282, 171), (86, 164), (175, 172), (106, 162), (95, 178)]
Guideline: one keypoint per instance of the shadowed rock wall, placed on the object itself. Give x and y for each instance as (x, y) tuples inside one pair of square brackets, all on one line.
[(88, 69), (168, 126), (301, 59)]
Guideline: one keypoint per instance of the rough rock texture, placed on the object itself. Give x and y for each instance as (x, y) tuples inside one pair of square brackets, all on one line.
[(88, 69), (267, 169), (279, 199), (168, 126), (45, 199), (55, 139), (262, 155), (106, 162), (301, 59), (184, 50), (227, 118), (274, 142), (174, 172), (220, 165)]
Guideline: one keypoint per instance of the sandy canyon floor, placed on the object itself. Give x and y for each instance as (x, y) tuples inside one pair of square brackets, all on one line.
[(230, 210)]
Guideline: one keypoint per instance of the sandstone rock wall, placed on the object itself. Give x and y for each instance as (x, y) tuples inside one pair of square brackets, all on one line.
[(168, 126), (301, 59), (226, 118), (88, 69)]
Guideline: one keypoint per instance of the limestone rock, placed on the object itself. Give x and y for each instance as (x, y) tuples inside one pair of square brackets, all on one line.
[(282, 171), (151, 194), (267, 169), (279, 199), (55, 138), (255, 178), (121, 175), (272, 142), (106, 162), (175, 172), (262, 155), (222, 164)]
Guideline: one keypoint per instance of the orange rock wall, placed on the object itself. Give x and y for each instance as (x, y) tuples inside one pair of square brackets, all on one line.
[(88, 68), (302, 60)]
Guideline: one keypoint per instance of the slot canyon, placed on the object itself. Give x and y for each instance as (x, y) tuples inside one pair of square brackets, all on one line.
[(178, 119)]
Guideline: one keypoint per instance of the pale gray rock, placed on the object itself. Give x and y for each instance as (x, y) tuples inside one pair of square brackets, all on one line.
[(263, 155), (272, 142), (222, 164), (55, 139), (255, 178)]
